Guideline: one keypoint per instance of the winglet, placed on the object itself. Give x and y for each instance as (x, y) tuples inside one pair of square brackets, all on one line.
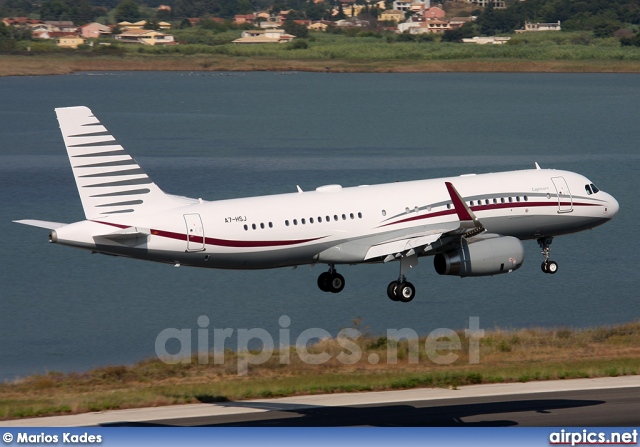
[(466, 216)]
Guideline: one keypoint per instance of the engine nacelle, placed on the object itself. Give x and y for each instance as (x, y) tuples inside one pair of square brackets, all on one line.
[(491, 254)]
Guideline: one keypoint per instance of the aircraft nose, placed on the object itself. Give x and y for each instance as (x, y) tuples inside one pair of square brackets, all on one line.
[(612, 206)]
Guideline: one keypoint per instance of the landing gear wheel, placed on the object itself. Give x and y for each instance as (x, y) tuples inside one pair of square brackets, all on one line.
[(335, 283), (323, 281), (549, 267), (405, 292), (391, 291)]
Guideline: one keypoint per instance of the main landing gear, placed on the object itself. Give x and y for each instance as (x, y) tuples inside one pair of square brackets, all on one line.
[(331, 281), (401, 290), (547, 265)]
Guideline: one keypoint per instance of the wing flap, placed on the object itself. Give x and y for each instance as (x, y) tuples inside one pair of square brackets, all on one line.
[(415, 243)]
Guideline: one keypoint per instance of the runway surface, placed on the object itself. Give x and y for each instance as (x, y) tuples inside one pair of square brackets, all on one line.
[(581, 402)]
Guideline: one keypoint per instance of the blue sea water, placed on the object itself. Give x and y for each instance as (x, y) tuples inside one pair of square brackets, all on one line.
[(225, 135)]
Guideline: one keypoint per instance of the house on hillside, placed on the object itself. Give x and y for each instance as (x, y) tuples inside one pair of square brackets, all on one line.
[(20, 21), (145, 37), (264, 36), (435, 12), (411, 5), (392, 15), (95, 30), (530, 26), (70, 41)]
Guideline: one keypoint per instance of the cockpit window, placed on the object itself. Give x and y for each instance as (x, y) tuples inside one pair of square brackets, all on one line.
[(588, 188), (594, 188)]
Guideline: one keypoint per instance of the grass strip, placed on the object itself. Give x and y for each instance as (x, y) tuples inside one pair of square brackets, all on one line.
[(505, 356)]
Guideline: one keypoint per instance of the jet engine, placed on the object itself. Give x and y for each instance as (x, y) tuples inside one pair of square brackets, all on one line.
[(487, 255)]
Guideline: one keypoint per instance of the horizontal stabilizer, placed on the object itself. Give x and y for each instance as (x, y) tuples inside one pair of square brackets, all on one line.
[(41, 223)]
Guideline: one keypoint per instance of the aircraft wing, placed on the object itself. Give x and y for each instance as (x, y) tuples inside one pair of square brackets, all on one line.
[(469, 225)]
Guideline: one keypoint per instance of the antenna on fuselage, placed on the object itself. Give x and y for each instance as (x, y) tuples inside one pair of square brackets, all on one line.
[(537, 165)]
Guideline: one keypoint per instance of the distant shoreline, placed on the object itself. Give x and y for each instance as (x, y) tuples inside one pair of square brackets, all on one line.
[(40, 65)]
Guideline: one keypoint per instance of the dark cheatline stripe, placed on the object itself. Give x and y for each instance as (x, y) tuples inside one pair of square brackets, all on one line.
[(92, 134), (111, 224), (231, 243), (131, 192), (112, 142), (136, 181), (102, 154), (129, 202), (492, 207), (137, 171), (118, 212), (108, 164)]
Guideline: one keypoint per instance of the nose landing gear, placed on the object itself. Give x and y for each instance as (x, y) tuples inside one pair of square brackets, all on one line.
[(547, 266)]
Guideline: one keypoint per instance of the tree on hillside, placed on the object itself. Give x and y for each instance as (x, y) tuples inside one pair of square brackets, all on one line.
[(54, 10), (128, 10), (291, 27), (15, 8)]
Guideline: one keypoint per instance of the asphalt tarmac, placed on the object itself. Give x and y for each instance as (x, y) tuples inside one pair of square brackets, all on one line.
[(581, 402)]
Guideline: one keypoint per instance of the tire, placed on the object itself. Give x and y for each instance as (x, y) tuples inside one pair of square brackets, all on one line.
[(544, 267), (552, 267), (335, 283), (391, 290), (323, 281), (405, 292)]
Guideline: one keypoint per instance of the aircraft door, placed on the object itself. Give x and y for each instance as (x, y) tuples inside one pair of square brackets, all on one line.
[(565, 200), (195, 232)]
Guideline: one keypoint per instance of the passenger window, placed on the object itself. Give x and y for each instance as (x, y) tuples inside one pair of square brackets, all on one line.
[(319, 219), (246, 228), (359, 215), (351, 216), (501, 199), (510, 199), (270, 225), (328, 219), (311, 220), (286, 223), (588, 189), (517, 198), (303, 221), (335, 217), (526, 198), (295, 221), (253, 226), (262, 226), (486, 202), (495, 200), (344, 217)]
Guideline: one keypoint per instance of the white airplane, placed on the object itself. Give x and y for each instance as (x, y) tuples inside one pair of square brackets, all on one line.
[(472, 225)]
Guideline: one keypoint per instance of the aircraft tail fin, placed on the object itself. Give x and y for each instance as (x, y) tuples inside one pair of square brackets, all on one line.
[(109, 180)]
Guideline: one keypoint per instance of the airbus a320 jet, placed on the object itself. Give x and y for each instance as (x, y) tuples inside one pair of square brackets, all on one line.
[(472, 225)]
